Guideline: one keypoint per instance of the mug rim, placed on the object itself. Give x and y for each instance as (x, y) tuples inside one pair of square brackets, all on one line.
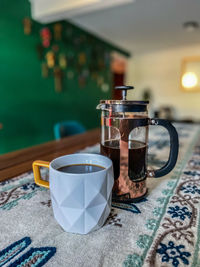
[(110, 164)]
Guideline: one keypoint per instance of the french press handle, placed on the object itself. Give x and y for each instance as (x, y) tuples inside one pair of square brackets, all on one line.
[(174, 148)]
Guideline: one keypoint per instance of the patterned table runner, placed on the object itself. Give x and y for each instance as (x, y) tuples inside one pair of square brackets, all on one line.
[(161, 230)]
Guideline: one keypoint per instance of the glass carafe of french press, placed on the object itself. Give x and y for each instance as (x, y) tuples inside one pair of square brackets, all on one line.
[(124, 139)]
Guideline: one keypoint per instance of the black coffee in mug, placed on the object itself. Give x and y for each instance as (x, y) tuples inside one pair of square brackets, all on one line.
[(80, 168)]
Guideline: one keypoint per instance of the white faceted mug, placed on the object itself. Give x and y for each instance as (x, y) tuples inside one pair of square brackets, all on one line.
[(81, 202)]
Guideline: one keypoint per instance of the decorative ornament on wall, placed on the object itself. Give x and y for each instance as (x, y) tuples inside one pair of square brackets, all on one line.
[(100, 80), (85, 73), (45, 35), (57, 31), (105, 87), (50, 57), (67, 51), (81, 81), (27, 25), (58, 76), (62, 61), (55, 48), (70, 75), (82, 59)]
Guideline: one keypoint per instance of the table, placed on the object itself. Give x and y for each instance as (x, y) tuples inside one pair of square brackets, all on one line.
[(161, 230), (15, 163)]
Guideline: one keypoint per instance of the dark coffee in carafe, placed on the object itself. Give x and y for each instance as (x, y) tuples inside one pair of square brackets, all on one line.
[(136, 158), (111, 149)]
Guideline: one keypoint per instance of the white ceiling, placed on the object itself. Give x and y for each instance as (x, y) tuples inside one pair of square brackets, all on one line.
[(145, 25), (46, 11)]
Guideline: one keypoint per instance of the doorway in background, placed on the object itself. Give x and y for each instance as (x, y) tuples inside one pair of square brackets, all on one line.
[(118, 79), (118, 68)]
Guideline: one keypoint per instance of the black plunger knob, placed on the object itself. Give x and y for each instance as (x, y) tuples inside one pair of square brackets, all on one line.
[(124, 89)]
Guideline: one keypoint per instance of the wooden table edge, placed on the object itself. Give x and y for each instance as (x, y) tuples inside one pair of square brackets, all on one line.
[(20, 161)]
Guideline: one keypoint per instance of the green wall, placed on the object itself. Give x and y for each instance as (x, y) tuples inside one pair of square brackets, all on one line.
[(29, 105)]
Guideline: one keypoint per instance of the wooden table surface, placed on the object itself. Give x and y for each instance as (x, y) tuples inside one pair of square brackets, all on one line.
[(18, 162)]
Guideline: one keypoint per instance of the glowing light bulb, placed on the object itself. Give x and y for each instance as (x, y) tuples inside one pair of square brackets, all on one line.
[(189, 80)]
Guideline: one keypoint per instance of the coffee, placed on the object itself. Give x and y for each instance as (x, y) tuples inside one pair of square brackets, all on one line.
[(112, 151), (80, 168), (136, 161)]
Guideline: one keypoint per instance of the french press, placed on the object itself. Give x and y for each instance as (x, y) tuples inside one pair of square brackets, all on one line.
[(124, 139)]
